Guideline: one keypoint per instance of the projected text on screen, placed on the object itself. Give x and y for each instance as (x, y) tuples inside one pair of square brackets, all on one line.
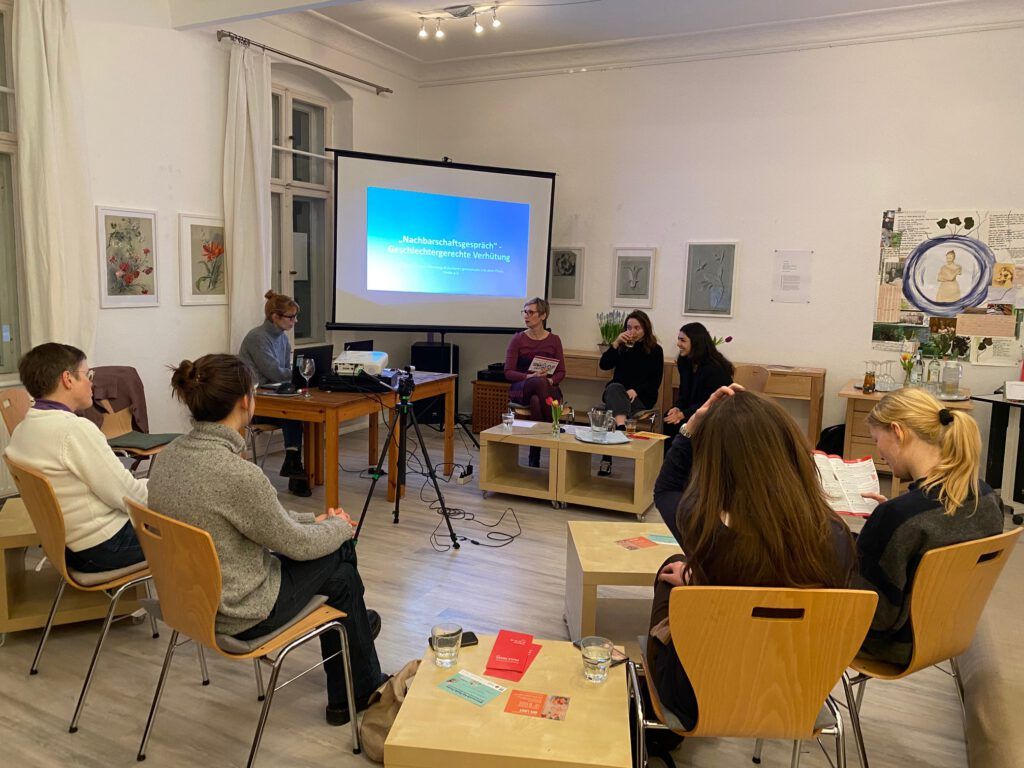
[(419, 242)]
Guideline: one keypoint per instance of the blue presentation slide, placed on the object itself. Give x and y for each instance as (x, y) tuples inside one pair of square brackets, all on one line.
[(419, 242)]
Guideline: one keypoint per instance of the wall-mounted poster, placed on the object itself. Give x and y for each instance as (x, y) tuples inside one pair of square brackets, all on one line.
[(127, 240), (204, 278), (634, 277), (710, 279), (565, 275)]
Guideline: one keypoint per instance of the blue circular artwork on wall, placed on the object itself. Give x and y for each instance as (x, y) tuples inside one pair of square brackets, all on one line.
[(945, 275)]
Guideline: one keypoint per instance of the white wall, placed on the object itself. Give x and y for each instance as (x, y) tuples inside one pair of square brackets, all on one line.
[(154, 117), (800, 150)]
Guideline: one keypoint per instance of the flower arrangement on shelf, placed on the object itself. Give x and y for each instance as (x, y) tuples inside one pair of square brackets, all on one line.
[(907, 364), (610, 324), (556, 414), (718, 340)]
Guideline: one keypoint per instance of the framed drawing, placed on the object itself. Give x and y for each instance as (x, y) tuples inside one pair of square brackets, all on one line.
[(128, 265), (633, 282), (710, 279), (565, 275), (204, 278)]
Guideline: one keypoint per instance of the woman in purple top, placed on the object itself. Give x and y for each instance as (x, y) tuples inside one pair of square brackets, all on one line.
[(532, 389)]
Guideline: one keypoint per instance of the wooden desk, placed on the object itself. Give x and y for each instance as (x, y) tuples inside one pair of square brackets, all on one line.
[(323, 412), (784, 383), (858, 442), (436, 729), (592, 558)]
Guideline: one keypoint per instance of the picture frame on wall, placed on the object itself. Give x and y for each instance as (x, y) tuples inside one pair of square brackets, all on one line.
[(710, 278), (633, 280), (565, 275), (128, 266), (203, 260)]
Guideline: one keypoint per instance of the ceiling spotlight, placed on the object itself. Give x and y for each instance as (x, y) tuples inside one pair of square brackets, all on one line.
[(439, 33), (423, 29), (476, 25), (495, 22)]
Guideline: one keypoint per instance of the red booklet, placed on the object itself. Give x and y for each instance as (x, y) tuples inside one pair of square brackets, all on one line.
[(513, 675), (511, 651)]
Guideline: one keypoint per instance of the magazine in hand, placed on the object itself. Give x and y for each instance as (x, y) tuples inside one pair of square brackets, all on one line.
[(545, 365), (843, 482)]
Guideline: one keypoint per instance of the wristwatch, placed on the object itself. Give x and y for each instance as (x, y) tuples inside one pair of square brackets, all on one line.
[(684, 430)]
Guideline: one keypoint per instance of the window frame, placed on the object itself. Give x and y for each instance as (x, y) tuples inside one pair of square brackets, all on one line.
[(9, 146)]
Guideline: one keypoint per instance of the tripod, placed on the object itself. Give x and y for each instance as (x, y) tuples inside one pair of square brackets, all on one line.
[(405, 414)]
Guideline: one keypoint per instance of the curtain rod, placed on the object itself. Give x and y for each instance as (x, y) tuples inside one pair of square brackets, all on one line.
[(222, 33)]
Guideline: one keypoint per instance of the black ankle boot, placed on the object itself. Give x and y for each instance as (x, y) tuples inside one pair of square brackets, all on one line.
[(299, 487), (534, 460), (292, 466)]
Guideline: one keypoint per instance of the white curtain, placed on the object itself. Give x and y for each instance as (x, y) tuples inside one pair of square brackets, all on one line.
[(247, 226), (58, 230)]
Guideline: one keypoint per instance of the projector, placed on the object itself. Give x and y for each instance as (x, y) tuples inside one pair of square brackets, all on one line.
[(350, 363)]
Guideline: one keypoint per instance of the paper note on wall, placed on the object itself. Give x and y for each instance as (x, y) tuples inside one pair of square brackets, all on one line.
[(791, 278)]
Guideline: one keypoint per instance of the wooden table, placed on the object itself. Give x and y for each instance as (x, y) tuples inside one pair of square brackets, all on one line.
[(436, 729), (592, 559), (785, 383), (26, 594), (323, 412), (858, 442), (569, 476)]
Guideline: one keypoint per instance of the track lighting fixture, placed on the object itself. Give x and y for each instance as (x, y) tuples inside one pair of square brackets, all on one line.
[(439, 33), (423, 29), (476, 25), (495, 21), (456, 12)]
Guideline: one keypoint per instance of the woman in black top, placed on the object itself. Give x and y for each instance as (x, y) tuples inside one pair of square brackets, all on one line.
[(638, 363), (702, 370)]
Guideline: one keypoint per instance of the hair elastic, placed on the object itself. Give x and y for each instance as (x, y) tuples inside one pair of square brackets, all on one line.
[(945, 417)]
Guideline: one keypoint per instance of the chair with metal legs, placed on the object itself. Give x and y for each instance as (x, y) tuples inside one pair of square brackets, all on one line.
[(253, 431), (950, 589), (44, 510), (795, 643), (186, 571)]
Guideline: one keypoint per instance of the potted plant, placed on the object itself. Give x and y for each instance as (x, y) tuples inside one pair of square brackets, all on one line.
[(610, 325)]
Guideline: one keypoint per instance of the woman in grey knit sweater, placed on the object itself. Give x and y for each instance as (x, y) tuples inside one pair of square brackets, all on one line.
[(272, 561)]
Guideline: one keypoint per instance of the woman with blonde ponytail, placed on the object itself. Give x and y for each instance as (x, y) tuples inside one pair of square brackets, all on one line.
[(938, 449)]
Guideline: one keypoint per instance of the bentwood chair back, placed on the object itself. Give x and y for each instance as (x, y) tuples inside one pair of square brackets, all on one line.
[(753, 377), (48, 520), (763, 661), (14, 404), (187, 575)]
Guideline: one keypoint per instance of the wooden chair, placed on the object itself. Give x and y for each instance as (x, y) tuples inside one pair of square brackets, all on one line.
[(762, 661), (186, 571), (752, 377), (44, 509), (14, 404), (950, 589), (119, 425)]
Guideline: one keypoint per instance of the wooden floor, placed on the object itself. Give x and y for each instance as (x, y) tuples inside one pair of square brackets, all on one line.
[(519, 586)]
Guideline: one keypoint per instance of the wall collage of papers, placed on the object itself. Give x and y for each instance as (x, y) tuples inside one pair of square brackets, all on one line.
[(951, 284)]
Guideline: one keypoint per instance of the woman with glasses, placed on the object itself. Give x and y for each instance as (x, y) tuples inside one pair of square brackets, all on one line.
[(268, 351), (89, 481), (535, 365)]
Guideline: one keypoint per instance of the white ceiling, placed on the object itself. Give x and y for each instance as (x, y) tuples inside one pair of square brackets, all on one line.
[(545, 25)]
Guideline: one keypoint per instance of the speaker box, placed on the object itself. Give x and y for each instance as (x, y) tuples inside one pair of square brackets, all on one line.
[(439, 358)]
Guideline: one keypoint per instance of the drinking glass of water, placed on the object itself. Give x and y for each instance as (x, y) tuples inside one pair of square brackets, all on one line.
[(307, 367), (446, 639), (597, 656), (507, 418)]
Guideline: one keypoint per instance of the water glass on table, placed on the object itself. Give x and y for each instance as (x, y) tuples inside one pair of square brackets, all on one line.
[(597, 657), (630, 427), (446, 640), (507, 418)]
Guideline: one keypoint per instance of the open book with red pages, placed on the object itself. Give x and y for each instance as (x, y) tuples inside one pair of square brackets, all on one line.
[(844, 481)]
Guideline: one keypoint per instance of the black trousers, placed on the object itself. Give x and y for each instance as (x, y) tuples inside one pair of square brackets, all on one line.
[(667, 675), (334, 575)]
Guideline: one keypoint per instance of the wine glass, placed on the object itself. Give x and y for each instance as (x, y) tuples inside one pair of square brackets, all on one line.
[(307, 367)]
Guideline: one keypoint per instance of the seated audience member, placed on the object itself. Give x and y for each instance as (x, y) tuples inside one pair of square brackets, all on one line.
[(89, 481), (272, 561), (938, 449), (267, 350), (638, 364), (752, 515), (702, 370), (533, 389), (673, 477)]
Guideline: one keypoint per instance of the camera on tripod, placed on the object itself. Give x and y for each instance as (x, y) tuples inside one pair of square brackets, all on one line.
[(406, 384)]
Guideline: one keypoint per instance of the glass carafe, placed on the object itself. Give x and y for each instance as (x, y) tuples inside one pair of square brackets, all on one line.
[(952, 372), (600, 422)]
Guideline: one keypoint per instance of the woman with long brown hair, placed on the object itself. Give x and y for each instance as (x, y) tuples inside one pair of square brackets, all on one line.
[(753, 515), (938, 449), (702, 370)]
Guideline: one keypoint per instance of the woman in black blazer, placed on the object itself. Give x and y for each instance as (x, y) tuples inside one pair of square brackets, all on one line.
[(702, 370)]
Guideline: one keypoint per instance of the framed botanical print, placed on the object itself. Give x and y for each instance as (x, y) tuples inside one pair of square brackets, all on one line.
[(633, 281), (565, 275), (204, 277), (127, 252), (710, 279)]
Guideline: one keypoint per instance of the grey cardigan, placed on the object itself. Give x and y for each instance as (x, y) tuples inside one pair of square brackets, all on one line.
[(268, 352), (202, 480)]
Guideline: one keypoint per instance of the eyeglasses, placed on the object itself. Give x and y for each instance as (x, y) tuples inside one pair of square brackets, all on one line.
[(290, 317), (90, 374), (530, 312)]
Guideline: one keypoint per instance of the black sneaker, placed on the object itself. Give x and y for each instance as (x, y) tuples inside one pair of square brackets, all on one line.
[(605, 469), (340, 715), (292, 466), (300, 487)]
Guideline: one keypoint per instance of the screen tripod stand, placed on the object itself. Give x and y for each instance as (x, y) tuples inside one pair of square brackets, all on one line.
[(404, 416)]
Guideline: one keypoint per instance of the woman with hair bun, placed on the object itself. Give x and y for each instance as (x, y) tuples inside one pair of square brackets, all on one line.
[(939, 450), (273, 561), (267, 350)]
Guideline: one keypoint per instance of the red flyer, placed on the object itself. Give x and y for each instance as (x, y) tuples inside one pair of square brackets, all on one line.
[(511, 651), (508, 674), (637, 542), (533, 704)]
